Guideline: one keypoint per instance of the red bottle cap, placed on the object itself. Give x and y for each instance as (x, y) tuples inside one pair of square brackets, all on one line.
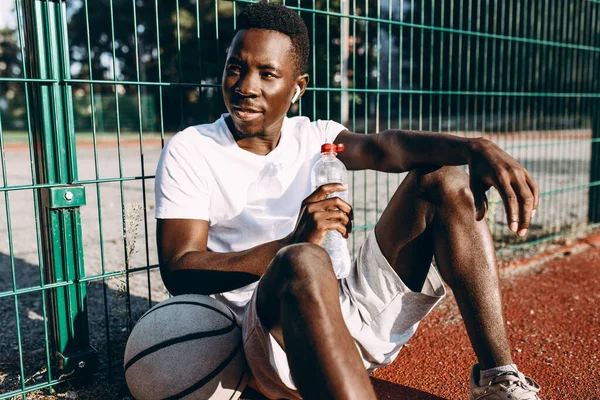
[(332, 148)]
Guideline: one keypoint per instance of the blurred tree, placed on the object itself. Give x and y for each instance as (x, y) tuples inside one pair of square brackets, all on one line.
[(193, 40), (184, 42), (12, 99), (186, 52)]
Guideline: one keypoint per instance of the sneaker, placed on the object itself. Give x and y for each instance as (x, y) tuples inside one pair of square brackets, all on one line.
[(504, 386)]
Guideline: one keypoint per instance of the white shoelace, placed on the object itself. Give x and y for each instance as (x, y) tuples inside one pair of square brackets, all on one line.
[(515, 382)]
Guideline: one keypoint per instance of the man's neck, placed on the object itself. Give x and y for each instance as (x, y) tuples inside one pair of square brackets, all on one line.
[(260, 143)]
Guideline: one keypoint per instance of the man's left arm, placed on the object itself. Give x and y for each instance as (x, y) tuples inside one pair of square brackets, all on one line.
[(401, 151)]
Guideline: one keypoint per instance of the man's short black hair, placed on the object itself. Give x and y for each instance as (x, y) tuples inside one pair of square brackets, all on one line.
[(275, 17)]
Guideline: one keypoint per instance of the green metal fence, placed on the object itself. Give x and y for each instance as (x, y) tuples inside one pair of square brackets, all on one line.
[(89, 92)]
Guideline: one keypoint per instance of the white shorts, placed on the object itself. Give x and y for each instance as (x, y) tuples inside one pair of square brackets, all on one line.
[(380, 311)]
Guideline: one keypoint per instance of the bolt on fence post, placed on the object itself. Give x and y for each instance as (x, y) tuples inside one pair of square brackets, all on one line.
[(55, 163)]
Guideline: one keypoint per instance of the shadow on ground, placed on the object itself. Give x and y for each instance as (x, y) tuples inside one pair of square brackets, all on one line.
[(107, 321), (393, 391), (385, 391), (108, 326)]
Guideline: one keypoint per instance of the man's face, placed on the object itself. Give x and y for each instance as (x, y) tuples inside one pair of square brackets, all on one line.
[(258, 80)]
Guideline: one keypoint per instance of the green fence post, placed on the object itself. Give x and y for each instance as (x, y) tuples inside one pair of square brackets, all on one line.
[(594, 196), (55, 159)]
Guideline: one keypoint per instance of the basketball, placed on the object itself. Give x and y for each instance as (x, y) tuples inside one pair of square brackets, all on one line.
[(186, 347)]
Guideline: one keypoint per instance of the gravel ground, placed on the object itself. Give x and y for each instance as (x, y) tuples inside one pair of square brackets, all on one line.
[(552, 165)]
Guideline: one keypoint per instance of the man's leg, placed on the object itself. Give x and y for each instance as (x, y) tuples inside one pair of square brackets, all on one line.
[(433, 214), (298, 301)]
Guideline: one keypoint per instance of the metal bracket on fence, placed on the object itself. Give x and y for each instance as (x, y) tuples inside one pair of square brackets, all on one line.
[(81, 364), (68, 196)]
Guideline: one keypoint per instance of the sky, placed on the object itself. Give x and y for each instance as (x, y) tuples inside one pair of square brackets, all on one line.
[(7, 14), (8, 18)]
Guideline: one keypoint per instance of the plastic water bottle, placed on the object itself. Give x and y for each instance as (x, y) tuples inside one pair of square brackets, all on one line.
[(331, 170)]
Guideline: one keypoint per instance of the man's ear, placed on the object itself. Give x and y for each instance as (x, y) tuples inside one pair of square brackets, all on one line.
[(302, 82)]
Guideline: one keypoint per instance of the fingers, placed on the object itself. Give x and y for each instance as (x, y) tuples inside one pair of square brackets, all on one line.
[(321, 213), (520, 199), (526, 203), (323, 191), (333, 220), (536, 194), (511, 203), (480, 199), (336, 215), (492, 166), (319, 200), (334, 203)]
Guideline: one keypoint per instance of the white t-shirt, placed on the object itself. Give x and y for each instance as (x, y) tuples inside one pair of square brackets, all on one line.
[(248, 199)]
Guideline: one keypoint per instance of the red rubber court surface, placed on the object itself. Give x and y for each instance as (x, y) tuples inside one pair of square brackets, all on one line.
[(552, 308)]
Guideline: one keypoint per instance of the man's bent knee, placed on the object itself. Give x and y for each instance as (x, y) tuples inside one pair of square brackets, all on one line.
[(446, 186), (303, 270), (298, 270), (302, 262)]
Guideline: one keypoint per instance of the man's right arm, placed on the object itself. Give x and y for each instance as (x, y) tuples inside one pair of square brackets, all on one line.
[(187, 266)]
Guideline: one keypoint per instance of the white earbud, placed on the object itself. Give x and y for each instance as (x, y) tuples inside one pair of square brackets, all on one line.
[(296, 95)]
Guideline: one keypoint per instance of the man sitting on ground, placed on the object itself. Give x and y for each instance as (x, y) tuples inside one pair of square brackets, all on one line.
[(237, 219)]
